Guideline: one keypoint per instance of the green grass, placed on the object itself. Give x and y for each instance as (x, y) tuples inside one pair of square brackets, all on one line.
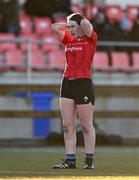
[(36, 162)]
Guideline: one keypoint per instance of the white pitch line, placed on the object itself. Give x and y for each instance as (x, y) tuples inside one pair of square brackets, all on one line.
[(57, 173)]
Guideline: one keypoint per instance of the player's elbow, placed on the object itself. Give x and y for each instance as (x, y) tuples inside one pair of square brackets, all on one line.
[(87, 27), (56, 28), (53, 27)]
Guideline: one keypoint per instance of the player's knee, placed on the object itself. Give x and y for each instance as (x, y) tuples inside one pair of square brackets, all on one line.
[(67, 128), (85, 129)]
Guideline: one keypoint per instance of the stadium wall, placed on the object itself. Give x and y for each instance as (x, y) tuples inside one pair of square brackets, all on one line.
[(23, 127)]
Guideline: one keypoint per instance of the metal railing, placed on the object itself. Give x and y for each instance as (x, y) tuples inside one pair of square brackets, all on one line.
[(29, 42)]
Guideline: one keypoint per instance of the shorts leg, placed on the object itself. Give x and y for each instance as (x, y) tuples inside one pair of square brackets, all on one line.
[(84, 92), (66, 89)]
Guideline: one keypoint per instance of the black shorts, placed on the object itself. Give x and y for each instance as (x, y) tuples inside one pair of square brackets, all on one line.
[(80, 90)]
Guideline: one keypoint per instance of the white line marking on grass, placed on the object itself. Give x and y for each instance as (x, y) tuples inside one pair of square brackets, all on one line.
[(76, 177), (58, 173)]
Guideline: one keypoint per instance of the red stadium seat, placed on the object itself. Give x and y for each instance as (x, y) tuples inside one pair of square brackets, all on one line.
[(114, 12), (120, 61), (14, 60), (50, 43), (91, 10), (132, 12), (76, 7), (25, 24), (4, 46), (101, 61), (56, 60), (38, 61), (135, 61), (42, 25), (24, 45), (3, 66)]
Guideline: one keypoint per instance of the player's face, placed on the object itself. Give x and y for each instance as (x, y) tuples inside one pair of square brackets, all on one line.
[(74, 28)]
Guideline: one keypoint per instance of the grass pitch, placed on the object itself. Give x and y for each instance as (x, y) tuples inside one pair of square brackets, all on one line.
[(36, 163)]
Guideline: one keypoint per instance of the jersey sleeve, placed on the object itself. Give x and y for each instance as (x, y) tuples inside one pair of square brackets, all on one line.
[(94, 37), (67, 38)]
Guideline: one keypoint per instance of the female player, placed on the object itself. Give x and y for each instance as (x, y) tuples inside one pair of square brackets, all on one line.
[(77, 95)]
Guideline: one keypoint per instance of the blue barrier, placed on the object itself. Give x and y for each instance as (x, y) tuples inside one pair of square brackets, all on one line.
[(42, 102)]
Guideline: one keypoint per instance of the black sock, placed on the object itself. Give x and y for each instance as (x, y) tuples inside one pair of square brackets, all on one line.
[(89, 156), (71, 157)]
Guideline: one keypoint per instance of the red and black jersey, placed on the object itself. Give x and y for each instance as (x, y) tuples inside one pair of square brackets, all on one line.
[(79, 54)]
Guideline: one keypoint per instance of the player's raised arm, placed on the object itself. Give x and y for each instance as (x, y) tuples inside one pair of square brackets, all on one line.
[(59, 29), (87, 27)]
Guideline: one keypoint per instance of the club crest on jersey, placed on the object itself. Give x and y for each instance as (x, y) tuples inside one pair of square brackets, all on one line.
[(85, 98)]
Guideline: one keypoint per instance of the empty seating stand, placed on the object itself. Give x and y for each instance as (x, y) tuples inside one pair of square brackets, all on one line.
[(26, 39), (56, 60), (100, 67), (135, 67), (91, 10), (14, 60), (120, 62), (114, 12), (3, 66), (37, 61), (76, 7), (132, 12), (50, 43), (7, 42), (26, 24), (135, 61), (101, 62), (42, 25)]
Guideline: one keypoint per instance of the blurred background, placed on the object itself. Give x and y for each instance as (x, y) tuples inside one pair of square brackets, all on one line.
[(32, 62)]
